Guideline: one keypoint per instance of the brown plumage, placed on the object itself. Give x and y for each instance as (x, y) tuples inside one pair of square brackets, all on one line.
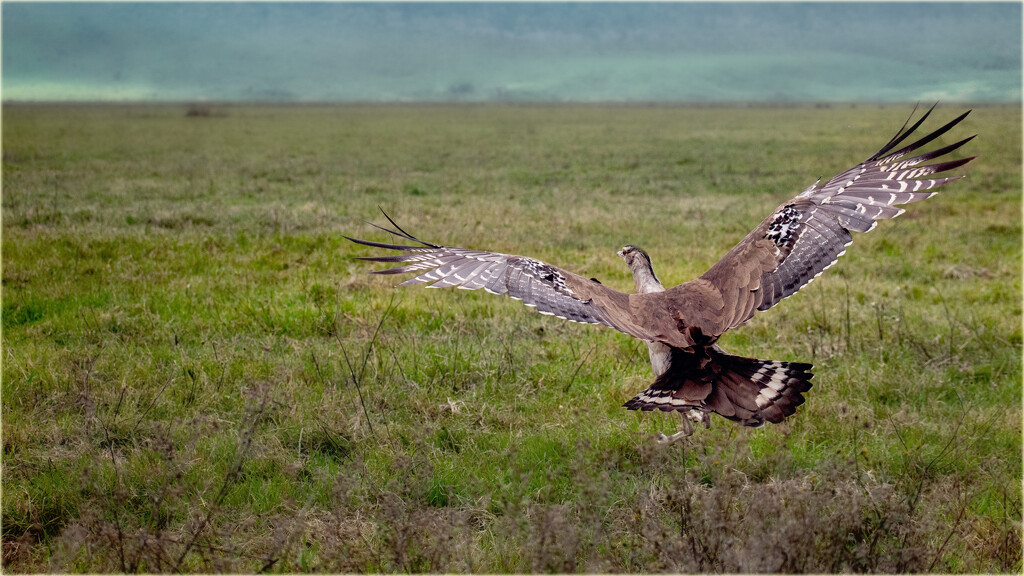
[(681, 325)]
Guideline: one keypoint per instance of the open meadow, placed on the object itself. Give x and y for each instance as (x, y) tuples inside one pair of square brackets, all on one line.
[(198, 376)]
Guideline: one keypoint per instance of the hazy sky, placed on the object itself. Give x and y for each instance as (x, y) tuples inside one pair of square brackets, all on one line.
[(517, 51)]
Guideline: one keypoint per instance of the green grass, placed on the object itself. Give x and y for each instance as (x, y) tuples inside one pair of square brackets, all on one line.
[(197, 375)]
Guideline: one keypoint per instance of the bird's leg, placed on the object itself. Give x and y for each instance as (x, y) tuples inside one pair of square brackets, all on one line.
[(700, 415), (685, 431)]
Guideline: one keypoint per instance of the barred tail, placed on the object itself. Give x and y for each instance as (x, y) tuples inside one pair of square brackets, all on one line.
[(758, 390), (747, 390)]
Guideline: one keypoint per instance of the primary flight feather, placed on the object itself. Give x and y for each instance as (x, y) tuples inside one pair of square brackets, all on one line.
[(681, 325)]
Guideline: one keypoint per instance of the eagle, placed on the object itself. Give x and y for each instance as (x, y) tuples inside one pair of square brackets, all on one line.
[(681, 325)]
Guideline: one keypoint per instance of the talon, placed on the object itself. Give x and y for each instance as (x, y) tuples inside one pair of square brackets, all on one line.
[(700, 415), (685, 431), (666, 440)]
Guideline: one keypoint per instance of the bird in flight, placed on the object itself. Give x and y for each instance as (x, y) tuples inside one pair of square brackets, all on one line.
[(681, 325)]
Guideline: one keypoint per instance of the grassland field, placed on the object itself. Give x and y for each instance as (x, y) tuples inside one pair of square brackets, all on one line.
[(198, 376)]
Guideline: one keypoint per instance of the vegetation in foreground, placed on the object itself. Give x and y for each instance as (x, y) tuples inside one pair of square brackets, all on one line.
[(198, 377)]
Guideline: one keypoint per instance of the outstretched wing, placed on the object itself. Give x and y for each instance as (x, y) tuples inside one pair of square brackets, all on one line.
[(550, 289), (806, 235)]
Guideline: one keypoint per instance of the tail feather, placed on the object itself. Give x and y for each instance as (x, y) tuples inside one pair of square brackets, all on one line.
[(747, 390)]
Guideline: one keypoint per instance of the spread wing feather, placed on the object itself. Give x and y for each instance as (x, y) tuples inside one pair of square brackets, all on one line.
[(806, 235), (549, 289)]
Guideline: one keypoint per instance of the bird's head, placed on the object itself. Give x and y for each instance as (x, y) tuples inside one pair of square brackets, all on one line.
[(635, 258), (640, 265)]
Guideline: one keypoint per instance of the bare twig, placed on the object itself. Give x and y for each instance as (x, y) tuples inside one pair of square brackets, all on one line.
[(578, 366), (362, 370), (223, 370), (956, 524), (229, 479), (150, 407), (355, 382), (117, 485), (319, 373)]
